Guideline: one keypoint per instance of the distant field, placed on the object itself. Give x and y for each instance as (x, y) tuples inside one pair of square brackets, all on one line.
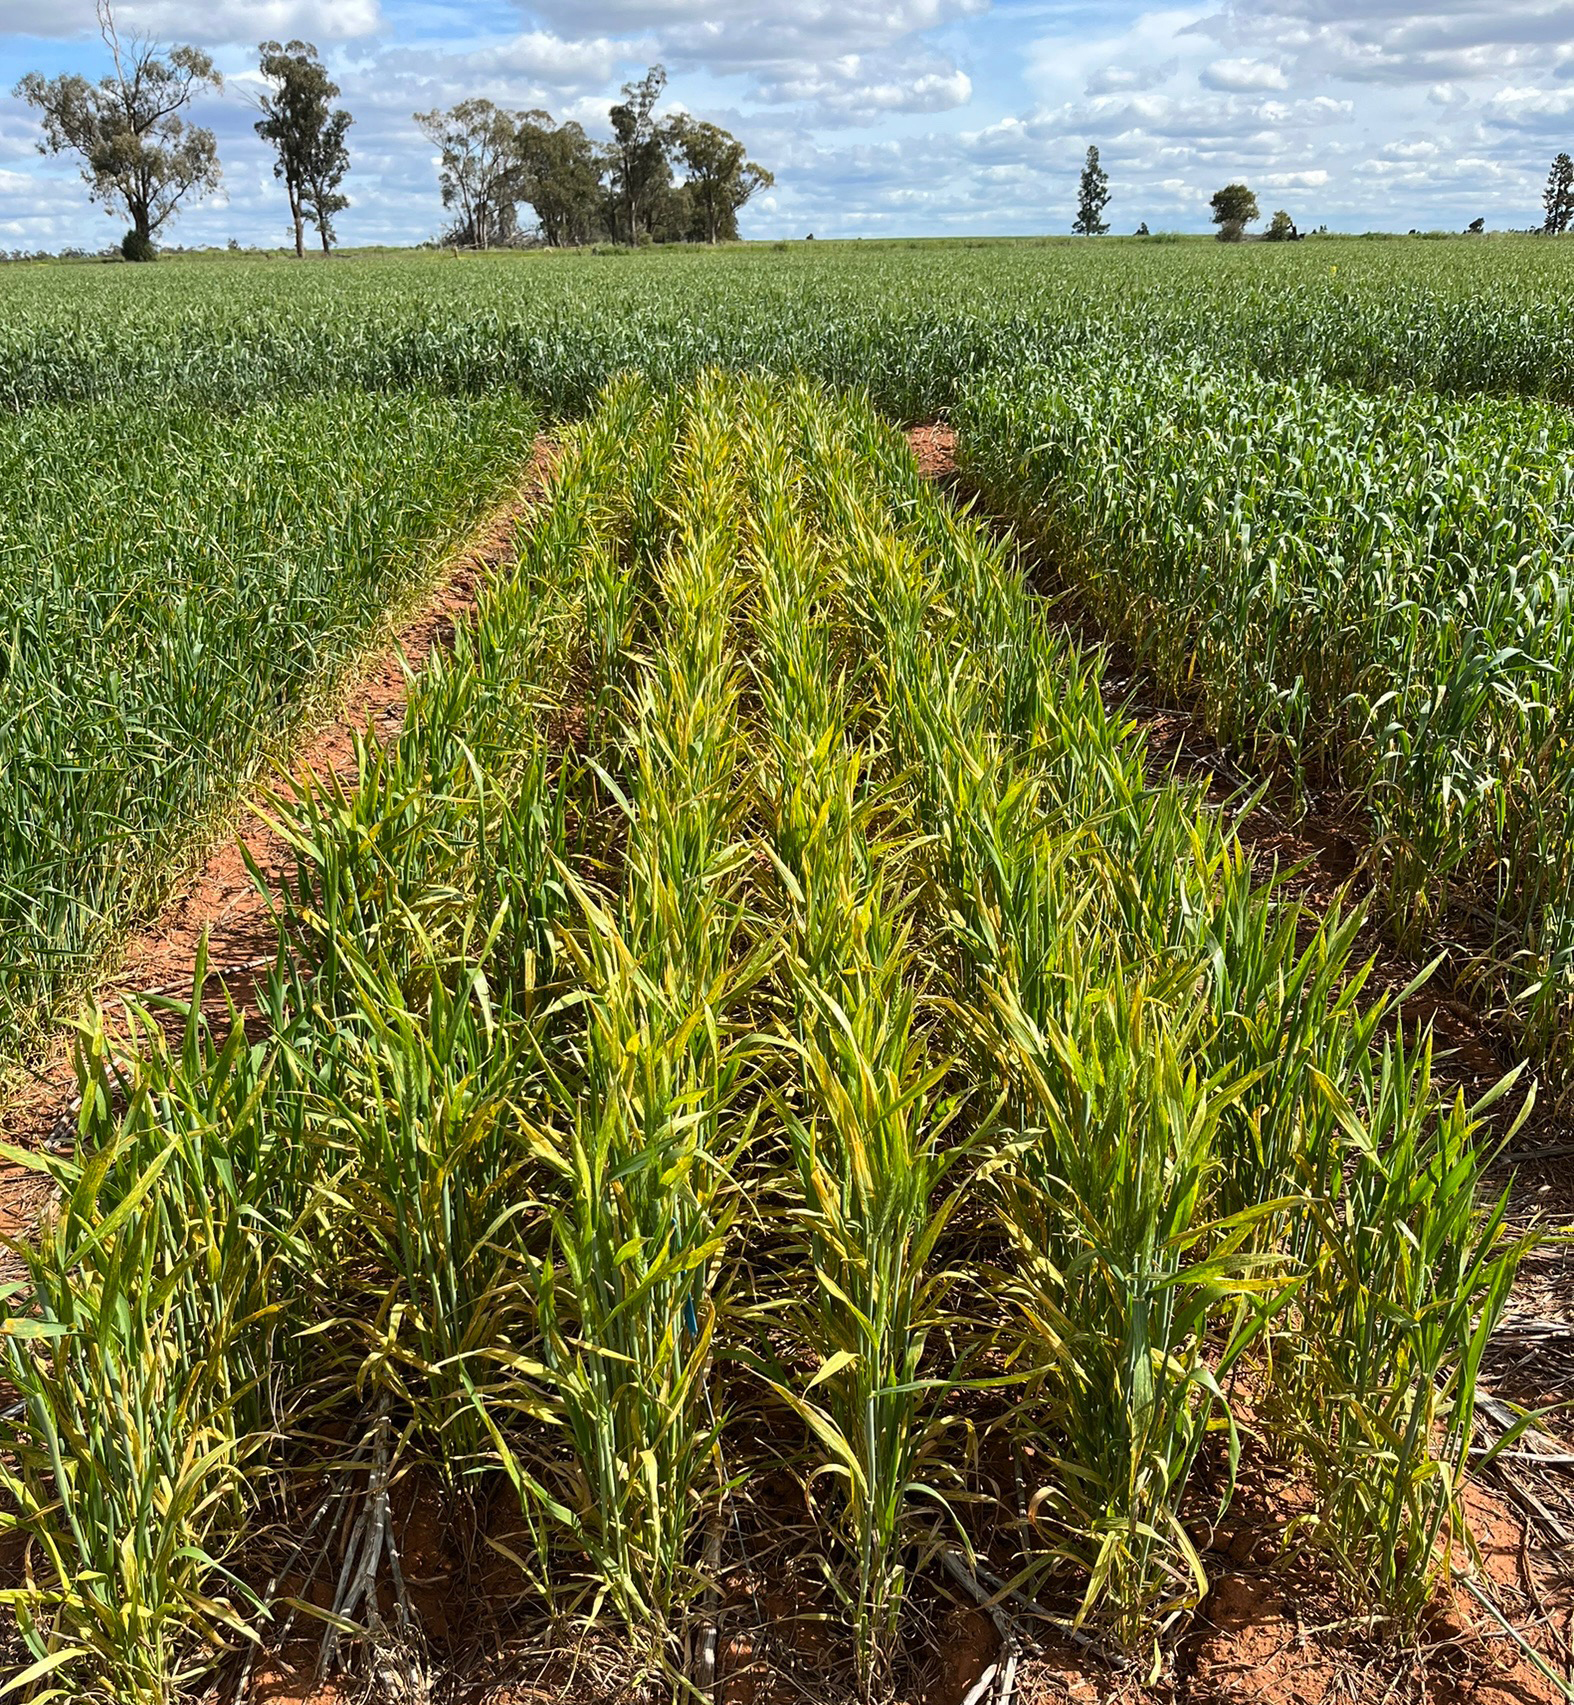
[(179, 589), (911, 321)]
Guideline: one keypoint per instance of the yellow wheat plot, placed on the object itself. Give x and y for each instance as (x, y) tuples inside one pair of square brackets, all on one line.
[(758, 1024)]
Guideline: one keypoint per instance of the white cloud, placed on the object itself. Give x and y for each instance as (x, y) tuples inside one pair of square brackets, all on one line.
[(859, 88), (1148, 51), (213, 23), (1240, 76), (769, 42), (1120, 79), (1383, 41), (556, 59), (1519, 106)]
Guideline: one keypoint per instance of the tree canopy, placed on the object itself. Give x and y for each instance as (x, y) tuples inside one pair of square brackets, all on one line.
[(307, 134), (559, 177), (721, 178), (1558, 198), (1234, 208), (638, 158), (478, 167), (138, 154), (1093, 194)]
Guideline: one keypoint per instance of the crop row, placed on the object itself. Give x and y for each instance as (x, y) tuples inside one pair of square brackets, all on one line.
[(1363, 591), (755, 1024), (912, 322), (177, 594)]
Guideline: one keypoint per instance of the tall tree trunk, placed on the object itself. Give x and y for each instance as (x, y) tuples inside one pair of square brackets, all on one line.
[(139, 204), (300, 230)]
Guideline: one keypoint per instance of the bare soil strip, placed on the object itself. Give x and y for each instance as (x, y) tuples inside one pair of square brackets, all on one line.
[(221, 899), (1263, 1632)]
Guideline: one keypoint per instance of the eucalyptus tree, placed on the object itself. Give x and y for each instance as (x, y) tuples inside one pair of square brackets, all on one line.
[(560, 178), (139, 154), (1234, 208), (1093, 194), (721, 177), (307, 132), (638, 158), (478, 166), (1558, 197)]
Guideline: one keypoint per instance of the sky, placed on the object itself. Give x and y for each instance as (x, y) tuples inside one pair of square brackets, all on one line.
[(881, 117)]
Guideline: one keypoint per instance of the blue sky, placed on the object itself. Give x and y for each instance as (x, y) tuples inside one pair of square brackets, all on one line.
[(929, 117)]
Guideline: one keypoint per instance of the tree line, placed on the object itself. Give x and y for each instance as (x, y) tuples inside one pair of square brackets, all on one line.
[(491, 163), (1234, 207), (142, 157)]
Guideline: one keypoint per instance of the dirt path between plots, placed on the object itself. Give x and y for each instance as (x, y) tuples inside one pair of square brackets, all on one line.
[(1251, 1641), (221, 898)]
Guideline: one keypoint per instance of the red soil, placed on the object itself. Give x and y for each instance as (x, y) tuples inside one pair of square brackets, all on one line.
[(934, 449)]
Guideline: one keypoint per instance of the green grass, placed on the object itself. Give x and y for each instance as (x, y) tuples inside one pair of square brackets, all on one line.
[(1363, 592), (180, 590), (912, 321)]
